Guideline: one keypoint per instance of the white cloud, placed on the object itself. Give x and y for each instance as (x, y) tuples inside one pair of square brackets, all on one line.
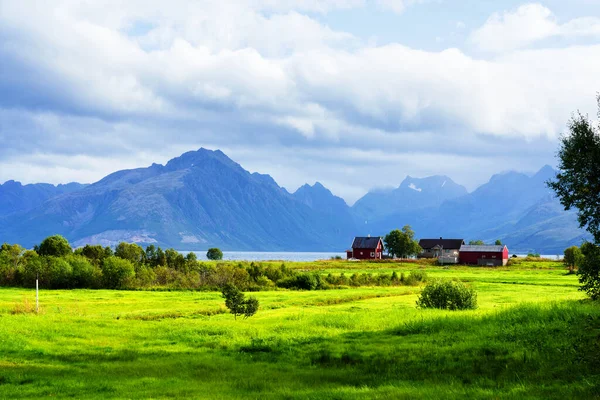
[(528, 24), (231, 75)]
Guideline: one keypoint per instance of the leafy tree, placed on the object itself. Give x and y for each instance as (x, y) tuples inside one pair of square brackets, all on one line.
[(476, 242), (573, 258), (589, 270), (577, 185), (175, 260), (117, 272), (132, 252), (237, 303), (401, 243), (498, 242), (95, 253), (214, 254), (55, 246), (84, 274)]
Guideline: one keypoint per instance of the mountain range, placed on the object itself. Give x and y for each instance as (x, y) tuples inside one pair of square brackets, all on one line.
[(204, 199)]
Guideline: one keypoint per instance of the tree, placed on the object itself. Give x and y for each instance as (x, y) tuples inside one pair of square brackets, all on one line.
[(117, 272), (577, 184), (95, 253), (589, 270), (498, 242), (55, 246), (214, 254), (573, 258), (237, 303), (132, 252), (476, 242), (401, 243)]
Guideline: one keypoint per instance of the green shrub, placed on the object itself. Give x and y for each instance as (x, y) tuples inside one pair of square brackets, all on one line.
[(302, 281), (84, 275), (117, 273), (447, 295)]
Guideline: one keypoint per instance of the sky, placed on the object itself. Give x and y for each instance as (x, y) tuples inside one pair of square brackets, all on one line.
[(355, 94)]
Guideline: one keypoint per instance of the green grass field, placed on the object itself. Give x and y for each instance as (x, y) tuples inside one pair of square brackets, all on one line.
[(533, 336)]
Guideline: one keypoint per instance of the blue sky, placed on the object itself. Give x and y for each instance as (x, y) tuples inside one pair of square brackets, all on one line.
[(304, 90)]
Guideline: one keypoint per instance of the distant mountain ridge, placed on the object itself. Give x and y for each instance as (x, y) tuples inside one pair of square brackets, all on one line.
[(203, 199), (15, 197)]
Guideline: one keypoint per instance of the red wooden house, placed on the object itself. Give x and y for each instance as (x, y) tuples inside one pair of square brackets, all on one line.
[(483, 255), (366, 248)]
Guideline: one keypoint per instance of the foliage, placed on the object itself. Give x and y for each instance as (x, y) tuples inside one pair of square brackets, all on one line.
[(214, 254), (131, 252), (401, 243), (55, 246), (237, 303), (577, 185), (477, 242), (498, 242), (447, 295), (117, 272), (589, 270), (95, 253), (573, 258)]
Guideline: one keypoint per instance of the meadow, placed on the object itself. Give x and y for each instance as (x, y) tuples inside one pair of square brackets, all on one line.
[(534, 335)]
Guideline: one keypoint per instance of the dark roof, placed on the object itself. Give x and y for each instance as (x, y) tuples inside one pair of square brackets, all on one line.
[(366, 242), (444, 243), (482, 248)]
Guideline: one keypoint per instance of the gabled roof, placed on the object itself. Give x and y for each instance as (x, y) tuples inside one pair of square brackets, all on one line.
[(482, 248), (446, 244), (366, 242)]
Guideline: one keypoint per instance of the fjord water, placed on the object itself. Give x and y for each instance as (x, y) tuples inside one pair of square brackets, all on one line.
[(296, 256), (272, 255)]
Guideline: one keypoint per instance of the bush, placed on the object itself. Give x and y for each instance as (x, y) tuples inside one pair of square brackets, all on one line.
[(447, 295), (84, 275), (214, 254), (589, 270), (117, 273)]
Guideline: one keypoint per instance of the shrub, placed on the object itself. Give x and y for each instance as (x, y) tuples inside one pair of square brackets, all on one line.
[(589, 270), (56, 273), (302, 281), (214, 254), (117, 273), (84, 274), (447, 295)]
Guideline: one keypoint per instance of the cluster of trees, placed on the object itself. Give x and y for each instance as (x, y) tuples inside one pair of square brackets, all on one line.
[(402, 243), (480, 242), (129, 266), (577, 185)]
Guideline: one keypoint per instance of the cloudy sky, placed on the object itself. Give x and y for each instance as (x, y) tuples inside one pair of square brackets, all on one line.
[(352, 93)]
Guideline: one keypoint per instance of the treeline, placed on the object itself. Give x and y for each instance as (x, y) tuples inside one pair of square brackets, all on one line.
[(129, 266)]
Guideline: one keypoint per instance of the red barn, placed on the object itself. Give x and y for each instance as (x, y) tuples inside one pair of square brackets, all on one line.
[(493, 256), (366, 248)]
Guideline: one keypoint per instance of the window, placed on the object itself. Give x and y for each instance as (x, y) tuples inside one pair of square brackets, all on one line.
[(372, 254), (361, 253)]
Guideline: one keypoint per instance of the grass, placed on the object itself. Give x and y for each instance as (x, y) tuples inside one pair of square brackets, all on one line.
[(533, 336)]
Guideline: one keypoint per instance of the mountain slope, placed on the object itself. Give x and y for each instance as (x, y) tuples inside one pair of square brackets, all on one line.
[(412, 194), (15, 197), (197, 200)]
